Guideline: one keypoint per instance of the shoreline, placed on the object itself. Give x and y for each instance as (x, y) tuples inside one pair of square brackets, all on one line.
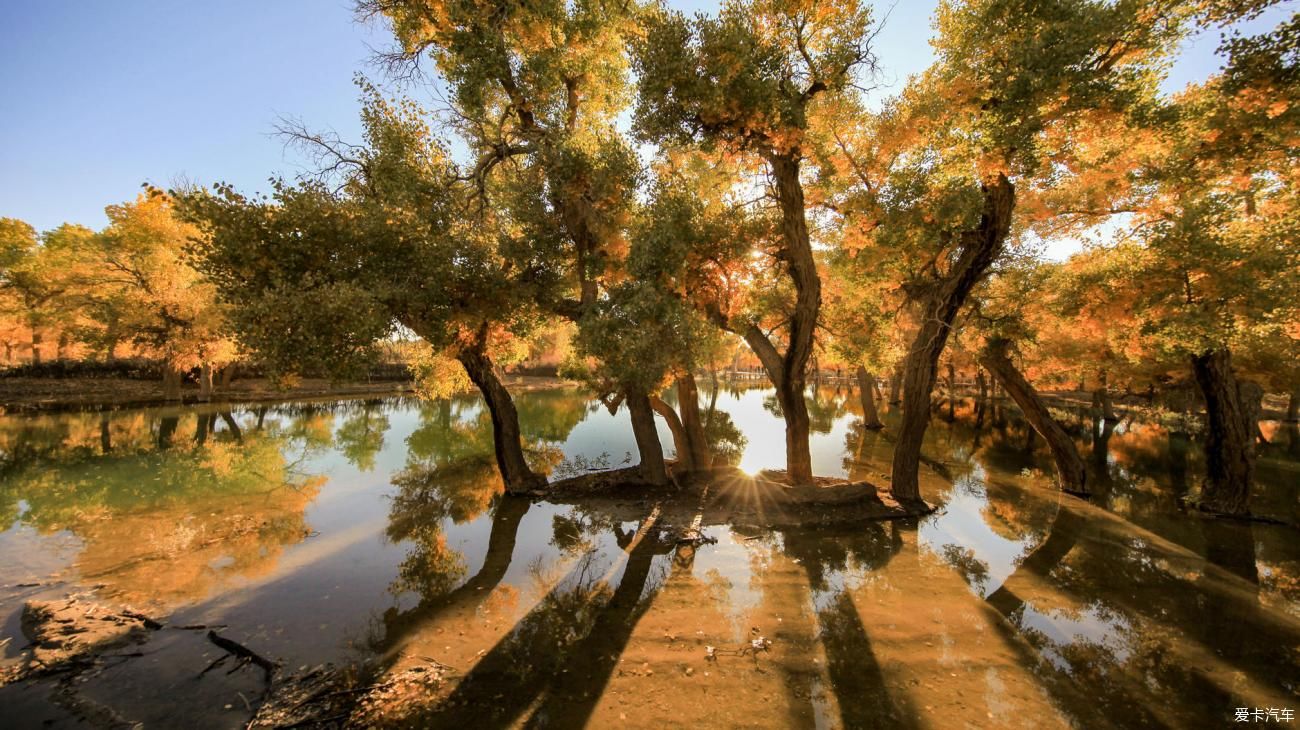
[(52, 395)]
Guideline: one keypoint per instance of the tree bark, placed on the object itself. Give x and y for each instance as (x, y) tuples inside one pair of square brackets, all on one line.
[(688, 403), (61, 348), (37, 338), (685, 459), (171, 382), (796, 252), (979, 248), (982, 383), (1229, 452), (1071, 472), (507, 440), (1293, 407), (652, 466), (870, 418), (1251, 395)]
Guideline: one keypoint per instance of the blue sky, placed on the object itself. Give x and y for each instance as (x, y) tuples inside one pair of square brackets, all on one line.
[(102, 96)]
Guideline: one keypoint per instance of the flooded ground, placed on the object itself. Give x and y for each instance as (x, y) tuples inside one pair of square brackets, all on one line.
[(375, 532)]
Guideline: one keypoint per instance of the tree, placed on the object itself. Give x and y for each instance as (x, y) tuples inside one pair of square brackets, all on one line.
[(747, 82), (535, 89), (141, 271), (1218, 266), (317, 276), (992, 122), (36, 274)]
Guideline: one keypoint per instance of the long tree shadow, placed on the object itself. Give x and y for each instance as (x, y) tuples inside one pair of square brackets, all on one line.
[(854, 671), (580, 626), (466, 598), (1216, 617)]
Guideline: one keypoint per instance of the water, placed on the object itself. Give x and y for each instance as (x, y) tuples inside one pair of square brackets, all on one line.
[(375, 530)]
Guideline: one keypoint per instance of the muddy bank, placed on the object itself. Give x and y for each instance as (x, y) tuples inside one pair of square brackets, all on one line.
[(729, 496), (20, 395), (78, 641)]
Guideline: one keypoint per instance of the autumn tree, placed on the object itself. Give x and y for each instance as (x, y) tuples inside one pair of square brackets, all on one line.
[(36, 274), (320, 273), (162, 300), (747, 82), (535, 90), (987, 127)]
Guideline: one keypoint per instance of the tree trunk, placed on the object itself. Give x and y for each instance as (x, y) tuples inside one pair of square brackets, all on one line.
[(870, 419), (507, 440), (895, 387), (685, 459), (652, 467), (110, 349), (61, 349), (1104, 400), (1071, 472), (232, 425), (105, 435), (202, 423), (166, 431), (688, 403), (227, 375), (1293, 407), (952, 381), (171, 382), (796, 250), (37, 338), (1229, 452), (979, 249), (982, 383), (1251, 396), (205, 382)]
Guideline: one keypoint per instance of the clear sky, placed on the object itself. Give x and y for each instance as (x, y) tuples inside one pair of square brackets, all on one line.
[(100, 97)]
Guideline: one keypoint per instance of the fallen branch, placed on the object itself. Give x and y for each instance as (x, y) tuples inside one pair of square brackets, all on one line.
[(244, 653)]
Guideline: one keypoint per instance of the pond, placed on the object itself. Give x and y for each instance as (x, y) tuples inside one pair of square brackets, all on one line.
[(374, 531)]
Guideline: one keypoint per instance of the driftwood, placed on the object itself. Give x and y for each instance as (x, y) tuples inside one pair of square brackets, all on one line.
[(241, 652)]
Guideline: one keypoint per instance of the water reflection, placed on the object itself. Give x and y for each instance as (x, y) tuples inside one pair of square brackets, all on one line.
[(384, 524)]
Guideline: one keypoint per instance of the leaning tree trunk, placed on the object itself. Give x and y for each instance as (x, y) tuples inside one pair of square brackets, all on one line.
[(653, 470), (1071, 472), (507, 439), (688, 403), (866, 384), (685, 459), (979, 248), (1229, 452)]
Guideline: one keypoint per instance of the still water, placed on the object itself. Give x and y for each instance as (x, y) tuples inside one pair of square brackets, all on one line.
[(375, 531)]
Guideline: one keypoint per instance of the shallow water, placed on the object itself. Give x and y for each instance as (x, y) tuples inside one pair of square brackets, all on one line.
[(374, 530)]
